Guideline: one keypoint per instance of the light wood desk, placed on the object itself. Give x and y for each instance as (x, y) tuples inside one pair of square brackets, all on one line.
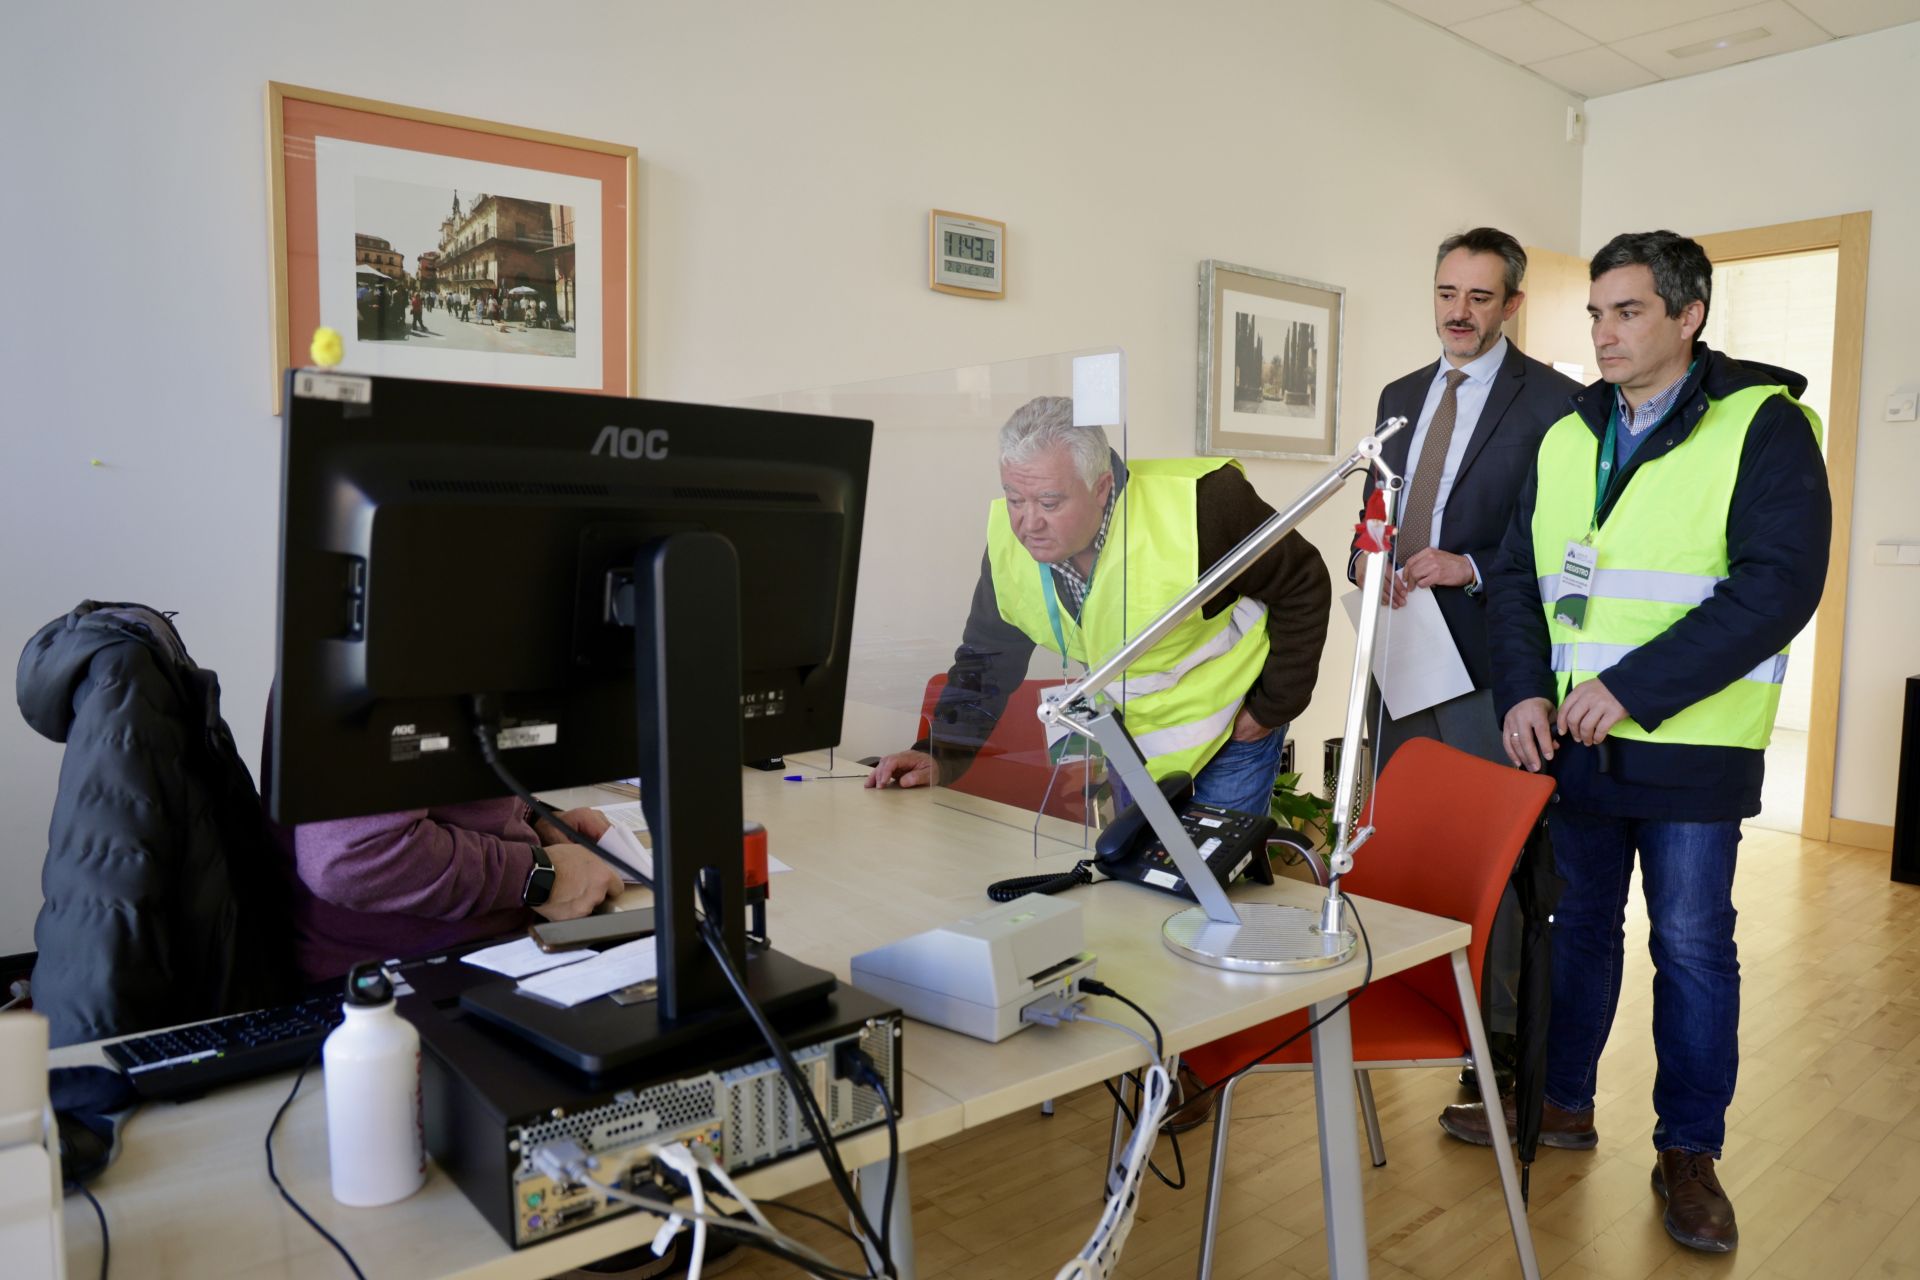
[(188, 1195)]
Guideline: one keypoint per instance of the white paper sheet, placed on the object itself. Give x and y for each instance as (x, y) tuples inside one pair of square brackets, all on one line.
[(621, 839), (610, 970), (1414, 658), (523, 957)]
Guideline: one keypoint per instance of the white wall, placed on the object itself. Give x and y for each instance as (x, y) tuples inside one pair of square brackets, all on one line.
[(1122, 142), (1803, 136)]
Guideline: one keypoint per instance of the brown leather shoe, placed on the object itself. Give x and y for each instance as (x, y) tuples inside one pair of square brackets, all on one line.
[(1569, 1130), (1699, 1215)]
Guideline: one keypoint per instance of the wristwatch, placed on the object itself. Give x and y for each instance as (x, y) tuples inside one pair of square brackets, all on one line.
[(539, 880)]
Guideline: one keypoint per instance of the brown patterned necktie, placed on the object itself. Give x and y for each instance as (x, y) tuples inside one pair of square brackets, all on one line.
[(1416, 525)]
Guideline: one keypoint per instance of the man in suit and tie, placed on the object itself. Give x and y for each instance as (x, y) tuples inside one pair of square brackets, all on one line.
[(1478, 413)]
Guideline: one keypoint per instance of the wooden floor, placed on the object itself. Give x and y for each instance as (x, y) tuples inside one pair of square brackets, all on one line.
[(1822, 1158)]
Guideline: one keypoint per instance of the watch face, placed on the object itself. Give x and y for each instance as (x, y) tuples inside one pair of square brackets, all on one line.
[(539, 880)]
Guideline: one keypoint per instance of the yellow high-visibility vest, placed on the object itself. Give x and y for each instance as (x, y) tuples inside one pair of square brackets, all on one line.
[(1660, 554), (1180, 699)]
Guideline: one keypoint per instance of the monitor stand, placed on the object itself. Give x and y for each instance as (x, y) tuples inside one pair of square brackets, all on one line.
[(686, 618), (603, 1036)]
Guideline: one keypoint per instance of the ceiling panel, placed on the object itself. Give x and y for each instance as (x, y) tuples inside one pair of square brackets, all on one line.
[(1610, 20), (1595, 47), (1447, 12), (1855, 17), (1522, 35), (1593, 72), (1785, 28)]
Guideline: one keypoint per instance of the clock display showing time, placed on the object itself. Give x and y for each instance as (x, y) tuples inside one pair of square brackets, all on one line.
[(968, 255)]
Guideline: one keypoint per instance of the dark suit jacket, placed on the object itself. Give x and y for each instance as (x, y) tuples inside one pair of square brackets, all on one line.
[(1526, 398)]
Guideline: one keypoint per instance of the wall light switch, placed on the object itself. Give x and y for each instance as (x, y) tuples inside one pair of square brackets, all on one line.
[(1901, 406)]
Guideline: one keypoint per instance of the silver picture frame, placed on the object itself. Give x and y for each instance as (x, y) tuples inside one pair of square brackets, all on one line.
[(1269, 364)]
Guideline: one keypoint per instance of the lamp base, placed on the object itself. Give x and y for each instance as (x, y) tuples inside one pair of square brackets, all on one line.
[(1270, 938)]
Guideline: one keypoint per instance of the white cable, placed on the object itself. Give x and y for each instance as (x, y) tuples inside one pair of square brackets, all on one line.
[(1152, 1054), (681, 1161), (705, 1159), (1101, 1253)]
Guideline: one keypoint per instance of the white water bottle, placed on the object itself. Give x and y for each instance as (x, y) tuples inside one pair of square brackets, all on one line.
[(372, 1064)]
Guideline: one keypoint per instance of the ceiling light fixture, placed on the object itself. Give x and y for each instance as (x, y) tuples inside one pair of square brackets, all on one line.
[(1720, 42)]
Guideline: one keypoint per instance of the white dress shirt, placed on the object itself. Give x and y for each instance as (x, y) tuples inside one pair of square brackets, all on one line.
[(1469, 399)]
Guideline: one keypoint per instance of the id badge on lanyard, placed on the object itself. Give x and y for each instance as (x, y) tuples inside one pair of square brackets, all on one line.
[(1582, 559)]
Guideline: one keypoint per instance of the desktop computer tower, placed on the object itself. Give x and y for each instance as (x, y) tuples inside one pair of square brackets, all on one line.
[(490, 1101)]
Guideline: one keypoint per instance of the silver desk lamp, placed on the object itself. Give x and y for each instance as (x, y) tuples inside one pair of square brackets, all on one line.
[(1258, 937)]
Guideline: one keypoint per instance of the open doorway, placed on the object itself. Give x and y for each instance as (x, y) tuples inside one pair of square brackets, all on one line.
[(1779, 310)]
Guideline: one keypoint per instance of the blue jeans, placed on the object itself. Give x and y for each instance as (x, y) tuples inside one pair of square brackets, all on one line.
[(1240, 775), (1686, 870)]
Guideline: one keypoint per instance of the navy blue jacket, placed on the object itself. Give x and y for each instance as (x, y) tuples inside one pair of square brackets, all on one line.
[(1778, 525)]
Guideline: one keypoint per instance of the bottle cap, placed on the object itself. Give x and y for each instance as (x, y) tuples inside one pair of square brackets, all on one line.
[(368, 985)]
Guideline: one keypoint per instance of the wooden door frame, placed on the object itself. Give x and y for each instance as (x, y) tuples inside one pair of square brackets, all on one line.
[(1848, 233)]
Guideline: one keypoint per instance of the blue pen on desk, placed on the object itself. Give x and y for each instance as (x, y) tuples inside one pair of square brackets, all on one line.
[(825, 777)]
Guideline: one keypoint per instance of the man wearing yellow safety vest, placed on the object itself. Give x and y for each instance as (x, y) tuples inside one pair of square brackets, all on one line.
[(1084, 550), (1669, 544)]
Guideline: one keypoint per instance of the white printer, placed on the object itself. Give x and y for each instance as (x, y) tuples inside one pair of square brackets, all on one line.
[(976, 975)]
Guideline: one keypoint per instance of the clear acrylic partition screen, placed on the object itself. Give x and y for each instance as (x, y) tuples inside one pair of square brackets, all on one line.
[(940, 663)]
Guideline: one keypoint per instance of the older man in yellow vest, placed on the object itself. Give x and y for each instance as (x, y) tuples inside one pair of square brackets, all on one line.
[(1083, 551), (1669, 543)]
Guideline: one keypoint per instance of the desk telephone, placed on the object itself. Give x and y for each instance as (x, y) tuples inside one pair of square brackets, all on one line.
[(1232, 843)]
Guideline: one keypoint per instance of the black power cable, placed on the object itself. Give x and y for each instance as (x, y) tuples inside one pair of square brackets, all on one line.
[(803, 1096), (865, 1071), (274, 1176), (1365, 981), (486, 723), (106, 1244)]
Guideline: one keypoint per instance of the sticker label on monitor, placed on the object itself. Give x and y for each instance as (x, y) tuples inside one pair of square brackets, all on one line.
[(528, 735), (411, 741), (308, 385)]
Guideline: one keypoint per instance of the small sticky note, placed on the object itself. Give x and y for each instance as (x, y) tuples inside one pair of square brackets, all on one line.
[(1098, 389)]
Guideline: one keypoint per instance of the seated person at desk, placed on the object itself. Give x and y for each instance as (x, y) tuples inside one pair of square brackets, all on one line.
[(1213, 699), (422, 880)]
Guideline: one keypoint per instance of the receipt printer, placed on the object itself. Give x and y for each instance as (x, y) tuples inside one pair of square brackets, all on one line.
[(976, 975)]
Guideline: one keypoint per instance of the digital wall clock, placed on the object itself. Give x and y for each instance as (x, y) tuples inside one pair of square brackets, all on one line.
[(966, 255)]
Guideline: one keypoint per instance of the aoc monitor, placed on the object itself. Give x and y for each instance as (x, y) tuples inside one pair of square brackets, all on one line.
[(452, 553)]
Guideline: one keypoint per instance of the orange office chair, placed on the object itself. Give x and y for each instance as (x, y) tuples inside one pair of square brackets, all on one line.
[(1013, 767), (1448, 829)]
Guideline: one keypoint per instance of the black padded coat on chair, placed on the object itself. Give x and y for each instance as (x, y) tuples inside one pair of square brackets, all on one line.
[(163, 901)]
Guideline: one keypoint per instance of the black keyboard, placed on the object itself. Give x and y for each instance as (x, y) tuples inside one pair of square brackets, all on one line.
[(188, 1061)]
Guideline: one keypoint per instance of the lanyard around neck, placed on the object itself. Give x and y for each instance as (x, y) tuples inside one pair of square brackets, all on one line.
[(1053, 612)]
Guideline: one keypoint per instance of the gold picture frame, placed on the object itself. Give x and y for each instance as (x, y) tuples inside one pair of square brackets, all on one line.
[(571, 321)]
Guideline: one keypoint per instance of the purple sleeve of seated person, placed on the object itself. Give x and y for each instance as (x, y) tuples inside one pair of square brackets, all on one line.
[(408, 883)]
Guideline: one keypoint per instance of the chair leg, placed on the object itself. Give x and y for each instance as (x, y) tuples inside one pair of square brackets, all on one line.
[(1376, 1147), (1496, 1121), (1216, 1174)]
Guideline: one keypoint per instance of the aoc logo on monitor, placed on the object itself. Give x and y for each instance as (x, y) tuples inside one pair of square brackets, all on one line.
[(631, 442)]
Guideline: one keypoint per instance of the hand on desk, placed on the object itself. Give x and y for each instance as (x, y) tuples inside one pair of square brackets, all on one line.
[(902, 769), (581, 882), (590, 823)]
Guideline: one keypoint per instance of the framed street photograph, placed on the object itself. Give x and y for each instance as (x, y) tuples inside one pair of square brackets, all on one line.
[(1269, 364), (441, 246)]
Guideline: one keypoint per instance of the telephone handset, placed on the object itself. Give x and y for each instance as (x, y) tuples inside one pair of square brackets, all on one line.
[(1232, 843)]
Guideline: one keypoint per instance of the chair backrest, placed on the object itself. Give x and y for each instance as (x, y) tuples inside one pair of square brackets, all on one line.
[(1448, 828), (1013, 767)]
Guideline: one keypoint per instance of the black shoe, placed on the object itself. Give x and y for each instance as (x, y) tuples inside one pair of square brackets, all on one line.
[(1504, 1048)]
